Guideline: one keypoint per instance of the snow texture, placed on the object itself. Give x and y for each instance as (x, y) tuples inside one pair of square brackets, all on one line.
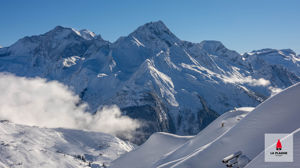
[(243, 130), (162, 147), (28, 147)]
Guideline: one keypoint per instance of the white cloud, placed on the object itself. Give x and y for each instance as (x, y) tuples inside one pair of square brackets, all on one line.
[(274, 90), (247, 80), (35, 101)]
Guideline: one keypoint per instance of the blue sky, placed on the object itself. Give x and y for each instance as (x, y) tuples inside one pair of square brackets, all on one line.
[(242, 25)]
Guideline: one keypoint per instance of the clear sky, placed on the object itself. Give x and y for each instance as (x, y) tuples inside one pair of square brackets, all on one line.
[(242, 25)]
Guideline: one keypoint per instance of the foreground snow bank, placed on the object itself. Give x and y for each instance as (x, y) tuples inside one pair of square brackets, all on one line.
[(157, 145), (27, 147), (238, 130), (169, 147), (278, 114)]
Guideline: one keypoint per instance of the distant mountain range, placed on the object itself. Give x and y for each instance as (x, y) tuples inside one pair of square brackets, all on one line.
[(168, 84)]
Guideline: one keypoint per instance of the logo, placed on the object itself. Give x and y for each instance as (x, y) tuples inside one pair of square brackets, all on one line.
[(278, 148), (278, 145)]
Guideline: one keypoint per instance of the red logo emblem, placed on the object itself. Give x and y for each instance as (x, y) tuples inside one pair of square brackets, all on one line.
[(278, 145)]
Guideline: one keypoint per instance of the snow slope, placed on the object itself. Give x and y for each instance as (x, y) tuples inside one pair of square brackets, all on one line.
[(278, 114), (157, 145), (242, 131), (162, 146), (27, 147)]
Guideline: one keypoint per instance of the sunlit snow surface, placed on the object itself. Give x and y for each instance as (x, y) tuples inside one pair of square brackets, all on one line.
[(68, 62), (161, 147), (238, 130), (29, 147)]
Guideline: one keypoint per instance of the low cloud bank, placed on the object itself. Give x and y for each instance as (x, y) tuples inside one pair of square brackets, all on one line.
[(35, 101), (247, 80)]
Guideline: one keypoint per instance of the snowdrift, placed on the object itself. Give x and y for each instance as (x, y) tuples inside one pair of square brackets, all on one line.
[(157, 145), (164, 144)]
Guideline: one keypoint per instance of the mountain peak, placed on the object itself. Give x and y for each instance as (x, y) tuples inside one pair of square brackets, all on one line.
[(154, 33), (157, 28), (270, 50), (157, 24), (61, 32), (86, 34), (59, 28), (212, 45), (288, 51)]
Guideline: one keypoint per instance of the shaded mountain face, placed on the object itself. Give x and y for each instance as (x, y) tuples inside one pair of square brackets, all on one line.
[(168, 84)]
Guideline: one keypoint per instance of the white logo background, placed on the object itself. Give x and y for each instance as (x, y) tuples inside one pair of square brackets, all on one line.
[(270, 148)]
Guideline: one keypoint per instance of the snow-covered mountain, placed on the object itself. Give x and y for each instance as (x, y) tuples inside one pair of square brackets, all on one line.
[(28, 147), (286, 58), (168, 84), (242, 129)]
